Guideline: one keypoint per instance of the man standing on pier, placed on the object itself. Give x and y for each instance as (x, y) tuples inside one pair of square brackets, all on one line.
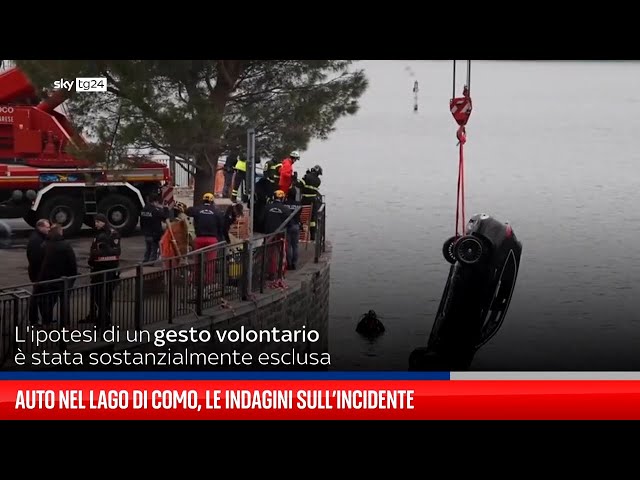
[(35, 256), (59, 261), (35, 248), (104, 259), (152, 220)]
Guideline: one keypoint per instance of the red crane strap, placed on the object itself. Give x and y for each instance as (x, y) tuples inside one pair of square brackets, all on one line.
[(461, 108), (460, 213)]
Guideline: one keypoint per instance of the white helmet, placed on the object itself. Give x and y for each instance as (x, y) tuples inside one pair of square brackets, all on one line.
[(295, 154)]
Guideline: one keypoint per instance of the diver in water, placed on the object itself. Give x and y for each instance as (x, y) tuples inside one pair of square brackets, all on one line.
[(370, 325)]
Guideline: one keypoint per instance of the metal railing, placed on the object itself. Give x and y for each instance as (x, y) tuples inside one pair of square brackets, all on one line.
[(132, 298)]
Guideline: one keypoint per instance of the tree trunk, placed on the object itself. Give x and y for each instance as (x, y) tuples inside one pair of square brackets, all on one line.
[(227, 76), (204, 178)]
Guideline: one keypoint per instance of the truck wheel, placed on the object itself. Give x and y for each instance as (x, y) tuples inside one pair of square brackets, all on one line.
[(122, 213), (64, 210)]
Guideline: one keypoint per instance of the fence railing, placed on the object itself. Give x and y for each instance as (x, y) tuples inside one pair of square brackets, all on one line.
[(132, 298)]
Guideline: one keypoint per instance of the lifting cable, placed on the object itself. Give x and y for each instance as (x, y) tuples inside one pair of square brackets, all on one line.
[(461, 110)]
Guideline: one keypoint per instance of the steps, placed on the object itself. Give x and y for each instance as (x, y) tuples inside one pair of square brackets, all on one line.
[(90, 201)]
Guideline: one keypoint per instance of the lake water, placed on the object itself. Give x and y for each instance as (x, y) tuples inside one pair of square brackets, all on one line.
[(551, 148)]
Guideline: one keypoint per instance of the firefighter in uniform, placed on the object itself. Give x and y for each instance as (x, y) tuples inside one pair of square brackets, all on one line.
[(240, 175), (209, 230), (311, 195), (271, 172), (104, 256), (275, 215)]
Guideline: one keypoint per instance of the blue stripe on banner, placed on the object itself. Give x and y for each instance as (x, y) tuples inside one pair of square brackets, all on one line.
[(224, 375), (545, 375)]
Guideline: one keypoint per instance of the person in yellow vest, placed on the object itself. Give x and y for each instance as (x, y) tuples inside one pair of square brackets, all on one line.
[(240, 175)]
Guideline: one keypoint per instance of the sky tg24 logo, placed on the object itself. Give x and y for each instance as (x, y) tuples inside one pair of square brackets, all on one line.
[(82, 84)]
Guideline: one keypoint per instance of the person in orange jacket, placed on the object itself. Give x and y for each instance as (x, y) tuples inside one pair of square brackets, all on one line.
[(286, 171)]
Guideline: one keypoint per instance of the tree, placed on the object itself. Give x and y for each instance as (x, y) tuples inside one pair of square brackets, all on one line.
[(198, 110)]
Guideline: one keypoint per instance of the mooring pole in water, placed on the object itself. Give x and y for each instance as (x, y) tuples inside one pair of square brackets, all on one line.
[(415, 96), (251, 154)]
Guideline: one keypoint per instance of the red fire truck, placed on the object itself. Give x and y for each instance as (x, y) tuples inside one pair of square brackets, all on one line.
[(41, 178)]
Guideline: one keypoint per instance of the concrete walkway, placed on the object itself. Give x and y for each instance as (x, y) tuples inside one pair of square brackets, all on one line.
[(14, 260)]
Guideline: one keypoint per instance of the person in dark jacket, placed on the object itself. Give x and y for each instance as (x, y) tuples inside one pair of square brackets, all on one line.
[(207, 222), (59, 261), (209, 230), (35, 248), (35, 255), (293, 229), (262, 196), (275, 215), (5, 234), (271, 175), (231, 214), (276, 212), (311, 195), (152, 219), (104, 258), (230, 163)]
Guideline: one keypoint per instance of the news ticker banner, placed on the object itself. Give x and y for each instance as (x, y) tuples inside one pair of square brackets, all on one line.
[(319, 396)]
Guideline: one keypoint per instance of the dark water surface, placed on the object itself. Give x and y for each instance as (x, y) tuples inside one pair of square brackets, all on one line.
[(551, 148)]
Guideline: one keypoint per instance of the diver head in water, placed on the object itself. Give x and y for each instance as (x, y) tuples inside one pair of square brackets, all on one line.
[(370, 325)]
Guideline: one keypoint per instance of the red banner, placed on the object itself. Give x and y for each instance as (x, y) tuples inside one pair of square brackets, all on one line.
[(319, 400)]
